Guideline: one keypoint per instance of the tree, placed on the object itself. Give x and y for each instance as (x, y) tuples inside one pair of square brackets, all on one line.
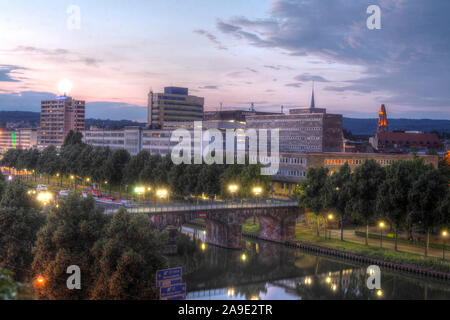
[(148, 174), (2, 185), (311, 192), (18, 229), (338, 194), (115, 165), (15, 196), (128, 258), (73, 138), (425, 196), (366, 180), (66, 239), (392, 198), (48, 162), (10, 289), (135, 166)]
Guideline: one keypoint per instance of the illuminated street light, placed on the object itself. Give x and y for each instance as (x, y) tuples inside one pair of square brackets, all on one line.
[(243, 257), (328, 280), (254, 298), (203, 246), (40, 281), (233, 188), (380, 293), (330, 217), (139, 190), (334, 287), (162, 193), (230, 292), (308, 281), (257, 191), (444, 238), (381, 225)]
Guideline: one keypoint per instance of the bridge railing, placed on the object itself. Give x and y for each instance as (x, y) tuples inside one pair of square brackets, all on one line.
[(183, 206)]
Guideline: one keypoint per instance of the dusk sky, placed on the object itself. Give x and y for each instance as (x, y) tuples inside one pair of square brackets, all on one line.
[(230, 51)]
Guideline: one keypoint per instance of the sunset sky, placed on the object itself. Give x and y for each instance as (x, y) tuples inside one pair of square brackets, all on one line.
[(230, 51)]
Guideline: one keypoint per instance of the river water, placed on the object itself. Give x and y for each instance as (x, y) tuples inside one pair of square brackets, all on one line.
[(267, 271)]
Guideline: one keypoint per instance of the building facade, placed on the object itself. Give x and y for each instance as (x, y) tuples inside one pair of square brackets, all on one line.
[(406, 142), (303, 130), (174, 105), (58, 117), (294, 167), (18, 139)]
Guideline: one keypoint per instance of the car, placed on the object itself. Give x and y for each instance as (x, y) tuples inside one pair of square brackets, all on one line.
[(41, 187), (64, 193)]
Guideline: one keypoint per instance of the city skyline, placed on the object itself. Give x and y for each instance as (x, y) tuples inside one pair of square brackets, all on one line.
[(267, 52)]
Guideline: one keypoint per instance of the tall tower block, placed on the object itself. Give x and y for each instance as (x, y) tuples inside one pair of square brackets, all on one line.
[(382, 120)]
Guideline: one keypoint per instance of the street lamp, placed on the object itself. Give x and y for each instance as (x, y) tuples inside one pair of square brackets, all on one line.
[(257, 191), (233, 188), (444, 238), (380, 293), (330, 217), (40, 281), (162, 193), (244, 257), (381, 225)]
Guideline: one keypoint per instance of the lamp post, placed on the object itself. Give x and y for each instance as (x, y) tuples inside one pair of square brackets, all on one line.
[(329, 218), (444, 238), (233, 188), (381, 225), (162, 194)]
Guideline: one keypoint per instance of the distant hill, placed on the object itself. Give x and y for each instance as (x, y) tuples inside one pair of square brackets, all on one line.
[(356, 126), (369, 126), (32, 119)]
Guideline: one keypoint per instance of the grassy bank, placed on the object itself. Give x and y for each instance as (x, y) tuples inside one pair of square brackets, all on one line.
[(376, 252)]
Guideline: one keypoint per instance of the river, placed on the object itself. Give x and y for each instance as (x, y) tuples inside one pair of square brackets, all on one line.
[(267, 271)]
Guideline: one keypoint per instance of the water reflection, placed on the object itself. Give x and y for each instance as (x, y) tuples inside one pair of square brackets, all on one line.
[(263, 270)]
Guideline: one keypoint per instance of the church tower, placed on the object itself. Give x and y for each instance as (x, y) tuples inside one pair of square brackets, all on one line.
[(382, 120)]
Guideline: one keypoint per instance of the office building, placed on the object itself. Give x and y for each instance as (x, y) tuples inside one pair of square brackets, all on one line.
[(17, 139), (174, 105), (304, 129), (58, 117)]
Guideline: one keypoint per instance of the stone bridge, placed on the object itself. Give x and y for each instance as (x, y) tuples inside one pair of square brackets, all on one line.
[(224, 219)]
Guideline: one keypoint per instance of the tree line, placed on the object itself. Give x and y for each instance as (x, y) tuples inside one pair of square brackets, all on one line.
[(407, 194), (118, 254), (120, 170)]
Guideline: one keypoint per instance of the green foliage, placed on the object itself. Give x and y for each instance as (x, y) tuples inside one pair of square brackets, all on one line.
[(127, 259), (18, 229), (10, 289), (338, 194), (115, 165), (73, 138), (311, 192), (15, 196), (66, 239), (392, 198), (427, 196)]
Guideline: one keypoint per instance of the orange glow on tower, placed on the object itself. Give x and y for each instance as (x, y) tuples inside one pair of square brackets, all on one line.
[(382, 120)]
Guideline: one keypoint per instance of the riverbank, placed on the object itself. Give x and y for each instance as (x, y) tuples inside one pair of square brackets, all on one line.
[(401, 261)]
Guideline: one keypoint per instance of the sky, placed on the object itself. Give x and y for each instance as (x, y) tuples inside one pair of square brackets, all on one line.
[(232, 52)]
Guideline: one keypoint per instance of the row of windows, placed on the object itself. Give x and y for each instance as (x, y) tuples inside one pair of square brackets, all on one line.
[(356, 161), (292, 173), (413, 142)]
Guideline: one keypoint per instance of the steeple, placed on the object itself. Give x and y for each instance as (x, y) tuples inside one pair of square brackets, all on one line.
[(313, 105), (382, 120)]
